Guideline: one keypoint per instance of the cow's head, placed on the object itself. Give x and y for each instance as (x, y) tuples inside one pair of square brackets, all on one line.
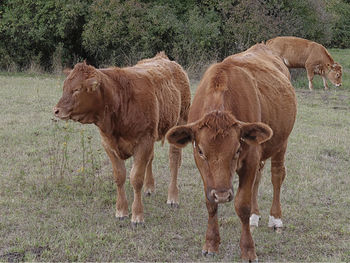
[(220, 144), (81, 96), (335, 74)]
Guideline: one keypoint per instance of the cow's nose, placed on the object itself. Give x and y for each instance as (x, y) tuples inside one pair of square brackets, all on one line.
[(221, 196), (338, 85), (56, 111)]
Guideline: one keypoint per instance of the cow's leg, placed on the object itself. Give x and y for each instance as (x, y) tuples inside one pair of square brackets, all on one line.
[(175, 162), (119, 172), (255, 214), (149, 179), (142, 156), (310, 75), (212, 238), (325, 82), (278, 172), (243, 208)]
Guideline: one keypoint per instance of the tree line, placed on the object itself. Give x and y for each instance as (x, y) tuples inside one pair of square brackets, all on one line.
[(54, 34)]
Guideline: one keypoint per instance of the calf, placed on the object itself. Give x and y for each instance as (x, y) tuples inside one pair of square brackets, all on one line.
[(133, 107), (242, 114), (301, 53)]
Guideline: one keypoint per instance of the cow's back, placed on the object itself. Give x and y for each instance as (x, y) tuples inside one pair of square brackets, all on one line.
[(275, 96), (296, 52), (170, 85), (256, 90)]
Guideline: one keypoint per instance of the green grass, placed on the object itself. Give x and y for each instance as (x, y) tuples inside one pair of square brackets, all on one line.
[(57, 194)]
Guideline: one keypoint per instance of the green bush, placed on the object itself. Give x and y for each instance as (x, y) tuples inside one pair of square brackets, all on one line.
[(121, 32), (32, 30), (341, 28), (51, 34)]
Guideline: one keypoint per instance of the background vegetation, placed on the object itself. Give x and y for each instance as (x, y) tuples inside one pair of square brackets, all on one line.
[(50, 34), (57, 194)]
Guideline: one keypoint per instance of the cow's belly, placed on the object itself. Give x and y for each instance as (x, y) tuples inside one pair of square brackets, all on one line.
[(169, 111), (293, 63)]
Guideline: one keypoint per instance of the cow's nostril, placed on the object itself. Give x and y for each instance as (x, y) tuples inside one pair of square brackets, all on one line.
[(229, 198), (56, 111)]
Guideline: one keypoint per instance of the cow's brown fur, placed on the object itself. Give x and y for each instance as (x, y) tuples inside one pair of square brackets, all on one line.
[(133, 107), (302, 53), (242, 114)]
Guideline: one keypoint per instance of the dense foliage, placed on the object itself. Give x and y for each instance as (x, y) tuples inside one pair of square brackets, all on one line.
[(54, 33)]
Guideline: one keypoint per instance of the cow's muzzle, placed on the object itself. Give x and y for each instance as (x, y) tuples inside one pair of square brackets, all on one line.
[(60, 114), (338, 85), (220, 196)]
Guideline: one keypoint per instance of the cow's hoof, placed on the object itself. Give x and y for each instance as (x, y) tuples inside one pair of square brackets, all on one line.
[(173, 204), (208, 253), (121, 218), (121, 215), (137, 224), (254, 261), (148, 193), (278, 230), (275, 222)]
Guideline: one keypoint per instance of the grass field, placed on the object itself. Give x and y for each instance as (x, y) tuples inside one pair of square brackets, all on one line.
[(57, 193)]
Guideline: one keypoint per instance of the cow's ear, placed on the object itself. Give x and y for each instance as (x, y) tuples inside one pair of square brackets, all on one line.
[(180, 136), (92, 84), (67, 71), (255, 133)]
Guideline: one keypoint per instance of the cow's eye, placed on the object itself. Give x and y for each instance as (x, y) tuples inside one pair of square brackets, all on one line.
[(200, 152), (76, 91)]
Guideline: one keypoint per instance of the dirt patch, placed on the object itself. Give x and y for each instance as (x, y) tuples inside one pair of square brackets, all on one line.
[(13, 257), (340, 108), (20, 256)]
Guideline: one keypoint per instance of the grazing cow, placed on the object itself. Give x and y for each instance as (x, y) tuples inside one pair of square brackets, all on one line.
[(242, 114), (301, 53), (133, 107)]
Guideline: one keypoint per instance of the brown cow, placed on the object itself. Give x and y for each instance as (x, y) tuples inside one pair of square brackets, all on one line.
[(133, 107), (301, 53), (242, 114)]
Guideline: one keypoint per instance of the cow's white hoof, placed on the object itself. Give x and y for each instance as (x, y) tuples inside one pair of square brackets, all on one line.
[(254, 220), (275, 222)]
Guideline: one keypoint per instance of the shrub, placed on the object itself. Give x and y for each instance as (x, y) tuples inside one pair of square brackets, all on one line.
[(341, 26), (52, 34), (32, 30)]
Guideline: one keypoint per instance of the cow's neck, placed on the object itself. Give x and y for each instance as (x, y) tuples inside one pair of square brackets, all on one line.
[(111, 121)]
